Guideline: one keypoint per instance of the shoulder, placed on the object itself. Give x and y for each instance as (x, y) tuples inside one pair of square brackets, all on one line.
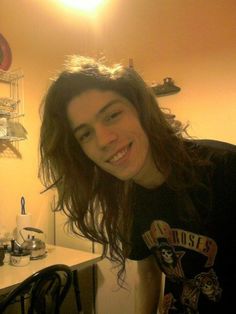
[(221, 161), (213, 150), (211, 146), (215, 145), (222, 156)]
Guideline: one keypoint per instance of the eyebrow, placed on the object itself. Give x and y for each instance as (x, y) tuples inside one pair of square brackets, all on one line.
[(101, 111)]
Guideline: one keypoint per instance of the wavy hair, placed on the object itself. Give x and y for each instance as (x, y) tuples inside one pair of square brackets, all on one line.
[(98, 205)]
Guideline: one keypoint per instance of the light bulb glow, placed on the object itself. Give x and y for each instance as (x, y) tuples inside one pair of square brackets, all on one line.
[(83, 5)]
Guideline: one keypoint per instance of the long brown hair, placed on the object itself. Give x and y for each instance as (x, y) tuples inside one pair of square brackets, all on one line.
[(99, 205)]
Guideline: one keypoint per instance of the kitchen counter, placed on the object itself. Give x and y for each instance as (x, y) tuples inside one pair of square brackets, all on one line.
[(75, 259)]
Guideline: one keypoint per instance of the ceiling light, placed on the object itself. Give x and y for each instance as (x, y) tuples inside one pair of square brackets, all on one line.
[(83, 5)]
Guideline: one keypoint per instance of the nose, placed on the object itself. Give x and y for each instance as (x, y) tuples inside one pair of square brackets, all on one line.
[(105, 136)]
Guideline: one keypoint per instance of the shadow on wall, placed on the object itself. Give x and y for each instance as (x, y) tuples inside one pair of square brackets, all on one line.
[(9, 150)]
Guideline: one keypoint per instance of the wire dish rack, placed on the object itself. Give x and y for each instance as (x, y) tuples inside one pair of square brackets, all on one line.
[(11, 105)]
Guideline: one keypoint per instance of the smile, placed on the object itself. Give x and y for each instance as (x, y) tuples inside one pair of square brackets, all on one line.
[(120, 155)]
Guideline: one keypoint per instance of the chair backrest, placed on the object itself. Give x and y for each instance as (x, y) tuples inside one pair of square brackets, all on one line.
[(41, 293)]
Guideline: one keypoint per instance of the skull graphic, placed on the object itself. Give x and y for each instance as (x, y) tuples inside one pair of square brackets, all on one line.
[(167, 255)]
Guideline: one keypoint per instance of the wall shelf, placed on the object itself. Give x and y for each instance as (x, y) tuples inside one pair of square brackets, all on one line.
[(11, 76), (12, 138), (11, 106)]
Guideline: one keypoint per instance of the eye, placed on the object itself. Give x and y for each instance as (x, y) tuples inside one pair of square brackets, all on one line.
[(83, 137), (113, 115)]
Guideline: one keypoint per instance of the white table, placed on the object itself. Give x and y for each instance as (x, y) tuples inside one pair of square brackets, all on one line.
[(75, 259)]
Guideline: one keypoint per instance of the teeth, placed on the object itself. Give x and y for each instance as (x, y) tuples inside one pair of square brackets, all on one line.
[(119, 155)]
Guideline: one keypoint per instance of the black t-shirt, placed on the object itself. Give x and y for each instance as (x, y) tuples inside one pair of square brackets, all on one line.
[(198, 259)]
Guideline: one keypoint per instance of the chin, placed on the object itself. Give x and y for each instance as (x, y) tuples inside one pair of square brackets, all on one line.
[(132, 174), (126, 177)]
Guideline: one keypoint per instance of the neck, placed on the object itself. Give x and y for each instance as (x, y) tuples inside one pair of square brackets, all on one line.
[(153, 182), (150, 177)]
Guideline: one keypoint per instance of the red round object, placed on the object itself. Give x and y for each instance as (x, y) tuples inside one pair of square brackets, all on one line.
[(5, 54)]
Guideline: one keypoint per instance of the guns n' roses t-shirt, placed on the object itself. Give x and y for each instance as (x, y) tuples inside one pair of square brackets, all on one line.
[(198, 259)]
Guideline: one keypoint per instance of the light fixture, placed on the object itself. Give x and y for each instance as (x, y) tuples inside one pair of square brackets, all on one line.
[(165, 89), (83, 5)]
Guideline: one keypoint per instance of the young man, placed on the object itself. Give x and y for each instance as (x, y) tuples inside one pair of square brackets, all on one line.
[(127, 178)]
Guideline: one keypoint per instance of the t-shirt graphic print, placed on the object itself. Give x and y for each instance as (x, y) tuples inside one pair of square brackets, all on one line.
[(186, 284)]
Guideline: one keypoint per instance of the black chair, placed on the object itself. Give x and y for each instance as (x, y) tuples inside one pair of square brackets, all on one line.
[(41, 293)]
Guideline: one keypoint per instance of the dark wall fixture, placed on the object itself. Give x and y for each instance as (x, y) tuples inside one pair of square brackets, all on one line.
[(165, 89)]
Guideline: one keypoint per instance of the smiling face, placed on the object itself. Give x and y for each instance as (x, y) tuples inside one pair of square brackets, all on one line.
[(107, 127)]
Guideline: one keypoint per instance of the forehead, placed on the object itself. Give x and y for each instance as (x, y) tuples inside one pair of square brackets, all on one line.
[(86, 106)]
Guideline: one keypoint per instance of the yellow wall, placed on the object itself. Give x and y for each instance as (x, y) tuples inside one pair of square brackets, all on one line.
[(191, 41)]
